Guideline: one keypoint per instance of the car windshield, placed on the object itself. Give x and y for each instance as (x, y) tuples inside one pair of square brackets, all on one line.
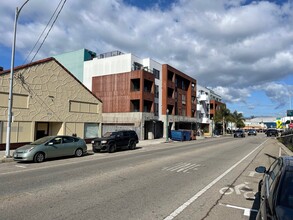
[(286, 191), (41, 140), (109, 134)]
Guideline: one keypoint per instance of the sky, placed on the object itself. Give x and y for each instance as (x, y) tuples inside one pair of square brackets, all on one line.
[(241, 49)]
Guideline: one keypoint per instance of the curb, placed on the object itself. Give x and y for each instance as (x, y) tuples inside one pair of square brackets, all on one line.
[(6, 160)]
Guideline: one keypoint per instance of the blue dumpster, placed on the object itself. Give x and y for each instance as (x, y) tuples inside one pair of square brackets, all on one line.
[(180, 135)]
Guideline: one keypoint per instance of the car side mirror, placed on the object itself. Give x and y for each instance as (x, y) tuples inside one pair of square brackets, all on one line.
[(260, 169)]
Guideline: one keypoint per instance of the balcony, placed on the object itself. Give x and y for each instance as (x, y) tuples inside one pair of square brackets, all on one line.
[(203, 97), (205, 120), (199, 108), (171, 84), (171, 101)]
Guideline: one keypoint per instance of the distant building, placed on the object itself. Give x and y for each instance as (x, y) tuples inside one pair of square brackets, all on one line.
[(74, 61), (208, 102), (260, 123)]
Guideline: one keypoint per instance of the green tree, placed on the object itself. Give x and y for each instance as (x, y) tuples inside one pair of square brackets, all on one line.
[(223, 115), (238, 119)]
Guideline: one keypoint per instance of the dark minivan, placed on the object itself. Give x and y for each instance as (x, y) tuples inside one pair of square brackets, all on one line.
[(276, 190)]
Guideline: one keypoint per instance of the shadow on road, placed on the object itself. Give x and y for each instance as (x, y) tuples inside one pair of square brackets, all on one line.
[(255, 207)]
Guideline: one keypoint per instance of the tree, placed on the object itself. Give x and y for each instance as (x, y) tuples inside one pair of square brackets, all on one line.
[(223, 115), (238, 119)]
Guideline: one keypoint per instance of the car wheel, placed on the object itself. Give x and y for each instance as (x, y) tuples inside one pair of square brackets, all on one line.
[(39, 157), (96, 151), (112, 148), (132, 145), (78, 152)]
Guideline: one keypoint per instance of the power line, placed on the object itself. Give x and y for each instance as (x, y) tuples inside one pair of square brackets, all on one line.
[(27, 57), (50, 27)]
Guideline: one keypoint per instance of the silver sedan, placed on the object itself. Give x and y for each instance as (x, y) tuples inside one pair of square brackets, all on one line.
[(51, 147)]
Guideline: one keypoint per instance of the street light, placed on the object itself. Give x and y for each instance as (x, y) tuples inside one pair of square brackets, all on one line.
[(167, 126), (212, 126), (8, 133)]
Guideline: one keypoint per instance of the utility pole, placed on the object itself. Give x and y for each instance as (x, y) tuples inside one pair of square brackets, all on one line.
[(167, 125), (10, 97)]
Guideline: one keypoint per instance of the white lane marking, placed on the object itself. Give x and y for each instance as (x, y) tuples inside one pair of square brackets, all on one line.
[(194, 167), (182, 167), (252, 173), (197, 195), (246, 212)]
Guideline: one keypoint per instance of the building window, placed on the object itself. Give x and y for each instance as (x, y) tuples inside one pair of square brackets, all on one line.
[(193, 100), (156, 109), (135, 85), (147, 106), (91, 130), (148, 86), (156, 73), (183, 99), (83, 107), (183, 111), (183, 85), (156, 91), (135, 105)]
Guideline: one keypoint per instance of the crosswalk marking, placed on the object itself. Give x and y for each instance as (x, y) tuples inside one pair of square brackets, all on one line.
[(182, 167)]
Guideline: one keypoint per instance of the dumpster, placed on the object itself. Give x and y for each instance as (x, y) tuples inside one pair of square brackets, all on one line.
[(180, 135)]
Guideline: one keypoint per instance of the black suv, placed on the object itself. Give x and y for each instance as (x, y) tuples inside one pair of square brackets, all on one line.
[(239, 133), (116, 140), (272, 132), (276, 190)]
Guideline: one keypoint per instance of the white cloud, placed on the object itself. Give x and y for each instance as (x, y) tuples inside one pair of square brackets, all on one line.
[(278, 93), (232, 94)]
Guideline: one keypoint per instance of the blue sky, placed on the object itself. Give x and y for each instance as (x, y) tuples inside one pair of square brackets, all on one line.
[(243, 50)]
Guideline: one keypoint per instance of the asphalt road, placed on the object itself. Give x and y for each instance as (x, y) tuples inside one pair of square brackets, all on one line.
[(205, 179)]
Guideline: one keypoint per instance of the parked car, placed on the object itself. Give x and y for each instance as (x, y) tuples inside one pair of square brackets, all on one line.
[(239, 133), (272, 132), (276, 190), (51, 147), (117, 140), (251, 132)]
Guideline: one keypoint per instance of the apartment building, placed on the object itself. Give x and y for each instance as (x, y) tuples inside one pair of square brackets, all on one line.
[(141, 94), (208, 102), (203, 108)]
